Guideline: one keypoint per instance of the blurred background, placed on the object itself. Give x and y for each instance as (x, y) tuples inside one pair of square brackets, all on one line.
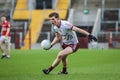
[(30, 22)]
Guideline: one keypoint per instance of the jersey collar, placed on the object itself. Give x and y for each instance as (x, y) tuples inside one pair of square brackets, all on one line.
[(59, 24)]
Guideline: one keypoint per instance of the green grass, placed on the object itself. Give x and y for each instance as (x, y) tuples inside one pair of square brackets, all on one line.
[(82, 65)]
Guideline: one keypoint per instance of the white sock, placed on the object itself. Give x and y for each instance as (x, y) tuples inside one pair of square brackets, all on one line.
[(8, 56), (3, 54)]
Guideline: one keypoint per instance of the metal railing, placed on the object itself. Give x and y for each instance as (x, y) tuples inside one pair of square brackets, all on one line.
[(96, 27)]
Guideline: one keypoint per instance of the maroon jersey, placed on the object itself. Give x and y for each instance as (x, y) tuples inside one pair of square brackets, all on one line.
[(5, 25)]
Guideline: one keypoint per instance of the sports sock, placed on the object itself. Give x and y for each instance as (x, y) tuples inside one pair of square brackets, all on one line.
[(3, 54), (64, 69), (50, 68), (8, 56)]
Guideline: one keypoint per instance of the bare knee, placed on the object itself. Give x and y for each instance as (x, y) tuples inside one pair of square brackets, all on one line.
[(8, 47), (0, 43), (60, 56)]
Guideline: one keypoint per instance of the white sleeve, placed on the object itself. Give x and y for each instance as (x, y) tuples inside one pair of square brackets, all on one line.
[(68, 25)]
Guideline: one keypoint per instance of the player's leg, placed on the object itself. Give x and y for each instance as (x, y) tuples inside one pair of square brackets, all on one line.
[(64, 64), (7, 43), (64, 61), (1, 48), (8, 50), (61, 54)]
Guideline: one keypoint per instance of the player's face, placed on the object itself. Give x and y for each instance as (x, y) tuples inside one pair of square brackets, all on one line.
[(54, 20), (3, 18)]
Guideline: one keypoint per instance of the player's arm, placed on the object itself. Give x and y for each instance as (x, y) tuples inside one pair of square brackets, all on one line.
[(8, 30), (80, 30), (56, 39), (91, 37)]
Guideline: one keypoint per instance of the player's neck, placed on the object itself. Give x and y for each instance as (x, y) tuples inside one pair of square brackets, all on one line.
[(59, 23), (5, 21)]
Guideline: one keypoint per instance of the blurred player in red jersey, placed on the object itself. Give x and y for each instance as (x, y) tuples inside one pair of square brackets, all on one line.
[(65, 32), (5, 37)]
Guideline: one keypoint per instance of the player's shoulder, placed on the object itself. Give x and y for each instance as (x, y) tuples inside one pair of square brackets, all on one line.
[(7, 22), (66, 23)]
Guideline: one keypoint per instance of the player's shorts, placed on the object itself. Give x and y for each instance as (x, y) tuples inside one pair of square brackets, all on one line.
[(6, 40), (73, 46)]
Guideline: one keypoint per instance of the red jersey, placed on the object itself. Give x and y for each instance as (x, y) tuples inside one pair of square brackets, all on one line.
[(5, 25)]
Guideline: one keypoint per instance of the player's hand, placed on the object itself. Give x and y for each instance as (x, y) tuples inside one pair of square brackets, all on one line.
[(91, 37), (5, 37), (49, 48)]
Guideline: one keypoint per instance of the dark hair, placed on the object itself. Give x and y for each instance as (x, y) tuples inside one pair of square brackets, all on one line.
[(3, 15), (54, 14), (6, 16)]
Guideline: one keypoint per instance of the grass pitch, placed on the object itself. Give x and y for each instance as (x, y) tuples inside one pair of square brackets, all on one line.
[(83, 65)]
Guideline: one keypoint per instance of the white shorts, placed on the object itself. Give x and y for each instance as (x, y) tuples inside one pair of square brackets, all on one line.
[(6, 40)]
